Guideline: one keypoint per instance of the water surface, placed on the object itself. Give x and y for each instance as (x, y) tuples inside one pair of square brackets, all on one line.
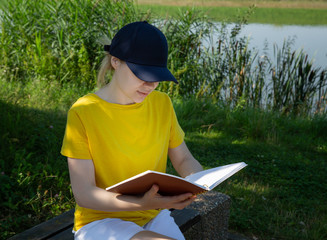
[(312, 39)]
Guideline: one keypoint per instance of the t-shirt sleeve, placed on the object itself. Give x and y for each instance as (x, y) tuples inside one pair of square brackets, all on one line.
[(75, 143), (176, 134)]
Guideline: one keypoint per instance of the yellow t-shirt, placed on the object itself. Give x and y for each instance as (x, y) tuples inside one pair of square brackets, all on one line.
[(122, 141)]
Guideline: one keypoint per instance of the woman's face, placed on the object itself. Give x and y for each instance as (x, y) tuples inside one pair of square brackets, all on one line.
[(130, 89)]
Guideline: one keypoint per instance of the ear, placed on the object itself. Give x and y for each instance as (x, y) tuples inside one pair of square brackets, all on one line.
[(115, 62)]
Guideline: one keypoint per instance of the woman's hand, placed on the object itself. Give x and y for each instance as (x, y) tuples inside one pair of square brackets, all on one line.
[(153, 200)]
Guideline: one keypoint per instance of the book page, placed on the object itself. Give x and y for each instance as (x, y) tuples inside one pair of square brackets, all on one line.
[(212, 177)]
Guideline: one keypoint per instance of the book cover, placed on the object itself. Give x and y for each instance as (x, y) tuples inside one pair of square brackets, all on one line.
[(169, 184)]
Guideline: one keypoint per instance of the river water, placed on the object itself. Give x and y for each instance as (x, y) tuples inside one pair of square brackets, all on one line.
[(312, 39)]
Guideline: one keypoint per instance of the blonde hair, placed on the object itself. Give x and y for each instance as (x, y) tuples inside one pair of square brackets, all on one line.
[(104, 68)]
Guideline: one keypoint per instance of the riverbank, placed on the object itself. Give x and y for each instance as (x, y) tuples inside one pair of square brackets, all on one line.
[(218, 3), (270, 12)]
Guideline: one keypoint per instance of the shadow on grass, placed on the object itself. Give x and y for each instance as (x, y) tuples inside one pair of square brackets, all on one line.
[(34, 183)]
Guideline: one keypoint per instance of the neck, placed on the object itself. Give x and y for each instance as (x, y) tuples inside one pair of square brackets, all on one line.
[(112, 94)]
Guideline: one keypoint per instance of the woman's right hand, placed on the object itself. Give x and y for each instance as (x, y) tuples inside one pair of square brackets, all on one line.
[(153, 200)]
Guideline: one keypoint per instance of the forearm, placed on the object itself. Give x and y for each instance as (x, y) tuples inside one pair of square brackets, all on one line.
[(99, 199), (96, 198), (188, 166), (88, 195), (183, 161)]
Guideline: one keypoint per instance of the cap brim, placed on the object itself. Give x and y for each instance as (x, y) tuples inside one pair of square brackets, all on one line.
[(151, 73)]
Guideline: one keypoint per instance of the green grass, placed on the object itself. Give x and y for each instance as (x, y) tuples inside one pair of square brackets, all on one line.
[(280, 195), (278, 16), (34, 179)]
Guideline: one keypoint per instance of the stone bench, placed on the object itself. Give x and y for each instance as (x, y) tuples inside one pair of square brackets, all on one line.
[(206, 218)]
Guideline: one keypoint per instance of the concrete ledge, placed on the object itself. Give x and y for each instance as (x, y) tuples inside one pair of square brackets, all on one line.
[(214, 211)]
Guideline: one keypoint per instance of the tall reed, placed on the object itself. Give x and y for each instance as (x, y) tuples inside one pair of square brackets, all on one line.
[(58, 41), (296, 82), (226, 69)]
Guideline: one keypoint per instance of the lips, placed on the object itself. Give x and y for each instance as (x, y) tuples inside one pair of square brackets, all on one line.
[(143, 93)]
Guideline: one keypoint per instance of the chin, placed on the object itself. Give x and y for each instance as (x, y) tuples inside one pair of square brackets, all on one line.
[(138, 100)]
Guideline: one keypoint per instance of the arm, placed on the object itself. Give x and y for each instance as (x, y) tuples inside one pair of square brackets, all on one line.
[(88, 195), (183, 161)]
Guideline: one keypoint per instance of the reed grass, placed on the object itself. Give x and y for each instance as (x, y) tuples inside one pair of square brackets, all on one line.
[(295, 82), (63, 45), (58, 40), (226, 69)]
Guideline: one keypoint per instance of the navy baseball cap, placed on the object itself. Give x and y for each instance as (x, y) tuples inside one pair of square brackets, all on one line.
[(144, 48)]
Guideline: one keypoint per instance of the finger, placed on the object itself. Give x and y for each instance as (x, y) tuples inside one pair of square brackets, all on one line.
[(153, 190), (182, 197), (183, 204)]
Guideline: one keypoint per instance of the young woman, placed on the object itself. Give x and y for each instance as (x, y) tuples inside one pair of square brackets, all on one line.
[(123, 129)]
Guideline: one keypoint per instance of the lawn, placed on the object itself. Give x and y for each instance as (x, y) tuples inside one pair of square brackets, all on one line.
[(280, 194)]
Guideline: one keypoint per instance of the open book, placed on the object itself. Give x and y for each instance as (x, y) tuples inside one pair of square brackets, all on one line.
[(173, 185)]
